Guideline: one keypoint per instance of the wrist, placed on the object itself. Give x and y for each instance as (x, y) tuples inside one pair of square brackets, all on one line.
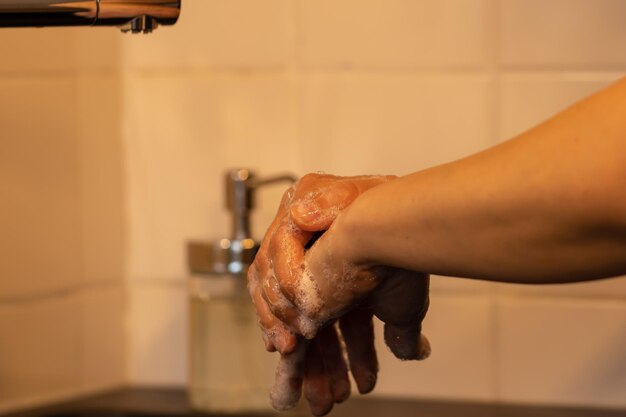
[(346, 238)]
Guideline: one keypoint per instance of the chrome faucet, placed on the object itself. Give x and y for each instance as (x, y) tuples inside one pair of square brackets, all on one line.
[(136, 16)]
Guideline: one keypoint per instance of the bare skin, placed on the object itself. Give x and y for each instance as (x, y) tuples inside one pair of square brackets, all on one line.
[(548, 206), (319, 368)]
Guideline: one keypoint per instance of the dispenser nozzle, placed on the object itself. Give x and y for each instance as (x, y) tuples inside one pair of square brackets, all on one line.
[(241, 186)]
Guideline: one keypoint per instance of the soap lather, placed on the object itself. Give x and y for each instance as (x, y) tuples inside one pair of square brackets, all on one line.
[(229, 371)]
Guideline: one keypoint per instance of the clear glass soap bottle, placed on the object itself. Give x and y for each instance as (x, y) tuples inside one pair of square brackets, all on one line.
[(229, 370)]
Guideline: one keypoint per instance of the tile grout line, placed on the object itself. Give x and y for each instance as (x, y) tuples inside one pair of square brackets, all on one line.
[(294, 67), (56, 74), (12, 300)]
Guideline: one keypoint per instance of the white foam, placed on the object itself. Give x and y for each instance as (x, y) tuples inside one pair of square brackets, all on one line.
[(308, 294), (287, 387), (308, 327)]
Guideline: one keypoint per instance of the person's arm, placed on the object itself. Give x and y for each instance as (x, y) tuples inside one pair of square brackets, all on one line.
[(547, 206)]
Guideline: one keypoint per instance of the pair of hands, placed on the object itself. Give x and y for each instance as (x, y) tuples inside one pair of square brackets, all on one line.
[(310, 297)]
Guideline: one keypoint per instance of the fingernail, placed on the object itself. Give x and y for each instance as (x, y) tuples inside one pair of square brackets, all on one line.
[(285, 343), (321, 409), (423, 348), (367, 383), (269, 346), (307, 327), (341, 391), (305, 210)]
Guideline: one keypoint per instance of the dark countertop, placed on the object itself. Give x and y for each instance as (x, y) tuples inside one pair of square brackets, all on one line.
[(139, 402)]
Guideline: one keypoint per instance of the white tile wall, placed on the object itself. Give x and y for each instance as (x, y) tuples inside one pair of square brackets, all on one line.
[(219, 34), (561, 34), (41, 349), (62, 177), (62, 345), (62, 229), (158, 338), (102, 181), (182, 134), (393, 124), (58, 50), (562, 351), (385, 34), (104, 337), (527, 99), (40, 183), (463, 360)]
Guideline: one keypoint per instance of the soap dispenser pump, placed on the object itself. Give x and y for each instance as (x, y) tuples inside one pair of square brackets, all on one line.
[(230, 372)]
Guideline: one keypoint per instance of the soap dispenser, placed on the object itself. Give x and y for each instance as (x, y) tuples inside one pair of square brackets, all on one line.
[(230, 371)]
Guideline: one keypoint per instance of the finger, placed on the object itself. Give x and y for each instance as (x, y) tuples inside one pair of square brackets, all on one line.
[(287, 387), (274, 330), (316, 385), (253, 289), (292, 297), (262, 258), (407, 342), (315, 211), (357, 330), (276, 335), (401, 302), (269, 345), (282, 211), (334, 363), (275, 257), (287, 249), (278, 304)]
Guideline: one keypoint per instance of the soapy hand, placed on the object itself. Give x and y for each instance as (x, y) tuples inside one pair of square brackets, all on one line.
[(281, 288), (318, 368), (299, 292)]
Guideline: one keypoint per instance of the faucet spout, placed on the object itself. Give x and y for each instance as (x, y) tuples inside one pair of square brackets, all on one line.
[(136, 16)]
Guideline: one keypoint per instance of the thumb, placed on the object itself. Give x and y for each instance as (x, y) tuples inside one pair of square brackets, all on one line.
[(319, 199), (401, 302), (406, 341), (316, 211)]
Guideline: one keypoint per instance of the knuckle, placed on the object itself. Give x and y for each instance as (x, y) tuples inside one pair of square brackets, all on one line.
[(287, 196), (310, 177), (252, 276), (261, 265), (275, 241), (308, 182), (275, 300)]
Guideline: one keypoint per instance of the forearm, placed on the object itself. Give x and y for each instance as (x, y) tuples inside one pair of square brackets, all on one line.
[(547, 206)]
